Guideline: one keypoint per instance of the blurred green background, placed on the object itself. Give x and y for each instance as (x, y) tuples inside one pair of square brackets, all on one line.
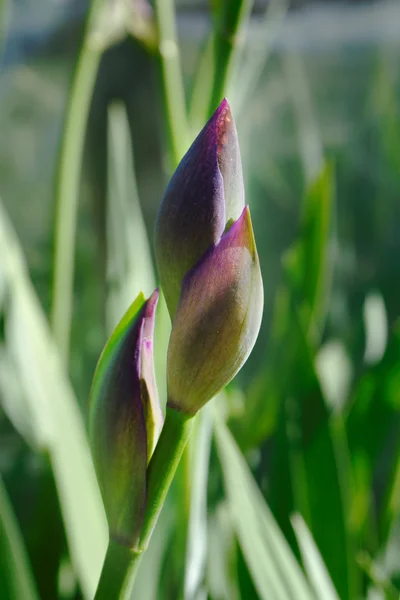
[(315, 92)]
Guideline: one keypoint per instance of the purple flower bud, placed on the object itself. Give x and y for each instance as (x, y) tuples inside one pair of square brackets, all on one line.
[(204, 194), (217, 320), (126, 419)]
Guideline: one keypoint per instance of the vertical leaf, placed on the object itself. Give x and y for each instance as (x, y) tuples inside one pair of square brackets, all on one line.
[(69, 168), (51, 401), (312, 446), (372, 414), (313, 563), (272, 565), (130, 268), (309, 264)]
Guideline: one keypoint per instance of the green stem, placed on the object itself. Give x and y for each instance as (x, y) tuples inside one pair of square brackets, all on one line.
[(233, 15), (162, 467), (118, 573), (68, 184), (174, 96)]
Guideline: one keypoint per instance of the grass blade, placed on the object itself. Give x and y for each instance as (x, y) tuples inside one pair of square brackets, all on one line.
[(69, 173), (222, 579), (309, 140), (256, 57), (130, 267), (312, 560), (311, 463), (275, 572), (308, 264), (174, 93), (231, 19), (372, 414)]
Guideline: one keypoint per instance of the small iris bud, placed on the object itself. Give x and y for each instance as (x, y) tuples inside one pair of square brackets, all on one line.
[(217, 320), (126, 419), (204, 194)]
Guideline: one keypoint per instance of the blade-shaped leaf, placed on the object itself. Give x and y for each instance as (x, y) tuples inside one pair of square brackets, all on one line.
[(308, 265), (312, 560), (311, 463), (275, 572), (372, 414), (130, 267), (51, 400), (222, 577)]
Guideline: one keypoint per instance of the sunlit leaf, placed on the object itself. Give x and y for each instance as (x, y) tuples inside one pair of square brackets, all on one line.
[(272, 565), (312, 560), (55, 413), (311, 463), (129, 263)]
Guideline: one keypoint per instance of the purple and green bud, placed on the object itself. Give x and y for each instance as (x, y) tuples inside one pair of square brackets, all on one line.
[(205, 193), (126, 419), (208, 266), (217, 320)]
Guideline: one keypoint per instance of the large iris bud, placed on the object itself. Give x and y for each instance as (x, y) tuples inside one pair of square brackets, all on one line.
[(209, 268), (204, 194), (126, 419)]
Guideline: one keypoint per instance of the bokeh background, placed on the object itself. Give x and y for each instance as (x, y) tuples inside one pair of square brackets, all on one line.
[(315, 93)]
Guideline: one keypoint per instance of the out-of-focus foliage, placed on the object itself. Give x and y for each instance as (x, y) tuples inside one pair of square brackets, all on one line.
[(291, 486)]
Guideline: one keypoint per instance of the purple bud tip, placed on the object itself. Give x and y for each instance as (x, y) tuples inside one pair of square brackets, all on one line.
[(224, 123), (151, 305)]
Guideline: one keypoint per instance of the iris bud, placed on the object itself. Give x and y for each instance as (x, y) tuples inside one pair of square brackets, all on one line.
[(126, 419), (217, 320), (204, 194)]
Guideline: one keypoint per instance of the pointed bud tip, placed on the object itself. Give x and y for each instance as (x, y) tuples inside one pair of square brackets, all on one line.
[(151, 304), (224, 126), (242, 231), (224, 106)]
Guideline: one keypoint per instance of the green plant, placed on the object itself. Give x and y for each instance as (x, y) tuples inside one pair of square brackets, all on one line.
[(288, 486)]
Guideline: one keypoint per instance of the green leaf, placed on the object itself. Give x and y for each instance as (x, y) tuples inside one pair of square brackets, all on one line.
[(377, 574), (274, 570), (308, 264), (255, 56), (222, 572), (311, 463), (129, 264), (16, 578), (372, 414), (312, 560), (309, 138), (56, 418), (68, 181)]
